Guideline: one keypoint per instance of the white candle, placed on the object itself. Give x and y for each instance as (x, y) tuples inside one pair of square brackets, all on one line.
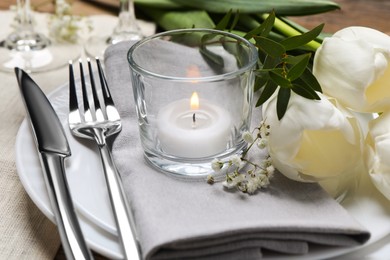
[(193, 131)]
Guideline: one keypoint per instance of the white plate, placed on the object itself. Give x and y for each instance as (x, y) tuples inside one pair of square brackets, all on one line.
[(84, 171), (89, 192)]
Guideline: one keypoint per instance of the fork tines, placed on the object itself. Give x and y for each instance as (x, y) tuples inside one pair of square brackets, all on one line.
[(95, 108)]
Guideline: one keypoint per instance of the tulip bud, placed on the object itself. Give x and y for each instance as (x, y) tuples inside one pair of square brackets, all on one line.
[(377, 153), (315, 140), (353, 67)]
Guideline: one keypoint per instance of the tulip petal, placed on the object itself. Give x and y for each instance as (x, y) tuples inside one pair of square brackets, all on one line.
[(314, 140), (377, 153), (353, 66)]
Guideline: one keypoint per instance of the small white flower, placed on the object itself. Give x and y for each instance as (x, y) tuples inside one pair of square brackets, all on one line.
[(264, 129), (260, 172), (65, 27), (264, 182), (270, 171), (228, 184), (265, 163), (262, 143), (210, 179), (256, 175), (252, 186), (268, 162), (62, 7), (238, 178), (236, 160), (248, 137), (216, 165), (234, 180)]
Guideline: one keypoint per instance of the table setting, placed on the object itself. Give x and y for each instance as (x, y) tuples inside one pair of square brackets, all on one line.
[(179, 204)]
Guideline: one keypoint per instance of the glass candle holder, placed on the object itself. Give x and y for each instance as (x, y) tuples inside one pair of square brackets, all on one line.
[(193, 90)]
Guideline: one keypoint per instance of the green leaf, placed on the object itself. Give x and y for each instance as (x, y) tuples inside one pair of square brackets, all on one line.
[(290, 59), (237, 50), (223, 23), (296, 70), (302, 29), (212, 57), (305, 92), (309, 79), (250, 23), (268, 90), (260, 81), (282, 102), (279, 79), (300, 40), (259, 72), (271, 47), (271, 62), (161, 4), (170, 20), (235, 20), (281, 7), (261, 57), (264, 29)]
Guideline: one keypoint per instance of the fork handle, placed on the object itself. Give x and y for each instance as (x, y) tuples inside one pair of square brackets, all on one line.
[(123, 216)]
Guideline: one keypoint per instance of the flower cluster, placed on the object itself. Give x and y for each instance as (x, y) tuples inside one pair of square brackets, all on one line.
[(337, 135), (354, 67), (65, 27), (242, 173)]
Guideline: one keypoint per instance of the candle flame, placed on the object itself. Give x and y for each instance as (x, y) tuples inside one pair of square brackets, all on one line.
[(194, 101)]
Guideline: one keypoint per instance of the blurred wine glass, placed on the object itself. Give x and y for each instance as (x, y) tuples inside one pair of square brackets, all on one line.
[(126, 29), (24, 38), (30, 50)]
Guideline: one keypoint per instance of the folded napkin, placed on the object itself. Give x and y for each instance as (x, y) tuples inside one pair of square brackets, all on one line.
[(187, 219)]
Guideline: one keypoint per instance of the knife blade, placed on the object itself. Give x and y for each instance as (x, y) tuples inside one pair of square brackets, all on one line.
[(53, 148)]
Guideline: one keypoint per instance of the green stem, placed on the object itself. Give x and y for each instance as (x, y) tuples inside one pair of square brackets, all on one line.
[(247, 149), (289, 31), (251, 163)]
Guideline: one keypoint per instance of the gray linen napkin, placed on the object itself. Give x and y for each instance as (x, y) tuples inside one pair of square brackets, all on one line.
[(180, 219)]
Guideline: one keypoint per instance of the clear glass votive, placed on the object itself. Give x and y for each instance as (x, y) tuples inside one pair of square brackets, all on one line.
[(193, 90)]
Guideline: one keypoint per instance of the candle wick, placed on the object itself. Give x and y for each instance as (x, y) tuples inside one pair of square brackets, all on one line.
[(193, 120)]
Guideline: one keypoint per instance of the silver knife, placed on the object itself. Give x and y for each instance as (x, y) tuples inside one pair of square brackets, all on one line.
[(53, 148)]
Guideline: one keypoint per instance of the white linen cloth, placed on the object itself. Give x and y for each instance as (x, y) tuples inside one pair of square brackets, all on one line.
[(180, 219)]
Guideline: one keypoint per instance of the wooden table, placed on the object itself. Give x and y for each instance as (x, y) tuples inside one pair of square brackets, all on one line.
[(370, 13)]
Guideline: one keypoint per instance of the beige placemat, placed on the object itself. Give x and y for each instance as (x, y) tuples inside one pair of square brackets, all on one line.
[(25, 232)]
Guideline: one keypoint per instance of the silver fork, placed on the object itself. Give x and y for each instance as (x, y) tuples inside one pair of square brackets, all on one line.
[(97, 121)]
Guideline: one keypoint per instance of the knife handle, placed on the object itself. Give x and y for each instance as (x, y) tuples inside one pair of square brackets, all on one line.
[(61, 202), (122, 213)]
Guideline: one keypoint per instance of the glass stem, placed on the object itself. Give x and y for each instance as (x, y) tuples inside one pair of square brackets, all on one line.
[(127, 27), (24, 17)]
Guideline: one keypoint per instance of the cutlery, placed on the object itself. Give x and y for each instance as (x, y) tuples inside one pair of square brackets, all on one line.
[(97, 121), (53, 148)]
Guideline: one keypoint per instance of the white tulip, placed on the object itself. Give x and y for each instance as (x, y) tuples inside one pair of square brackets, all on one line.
[(377, 153), (353, 66), (315, 140)]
